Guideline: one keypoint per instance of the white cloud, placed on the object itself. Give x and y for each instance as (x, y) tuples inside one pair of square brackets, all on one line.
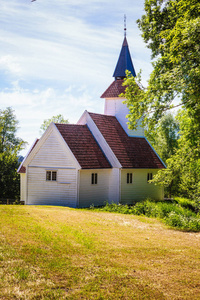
[(10, 64), (32, 107), (60, 41), (59, 56)]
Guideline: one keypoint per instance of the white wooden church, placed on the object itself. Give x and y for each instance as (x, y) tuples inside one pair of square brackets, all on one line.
[(95, 161)]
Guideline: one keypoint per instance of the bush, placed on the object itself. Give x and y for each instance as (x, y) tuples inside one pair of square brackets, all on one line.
[(175, 220), (183, 222), (189, 204), (179, 213)]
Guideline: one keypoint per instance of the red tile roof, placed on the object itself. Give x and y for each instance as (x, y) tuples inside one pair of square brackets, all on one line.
[(114, 90), (132, 152), (22, 169), (83, 146)]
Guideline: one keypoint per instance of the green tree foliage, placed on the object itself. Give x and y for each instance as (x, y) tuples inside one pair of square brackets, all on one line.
[(164, 138), (55, 119), (8, 129), (182, 176), (10, 145), (171, 29), (9, 178)]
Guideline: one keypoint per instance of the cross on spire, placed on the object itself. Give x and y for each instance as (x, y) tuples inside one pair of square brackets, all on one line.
[(124, 25)]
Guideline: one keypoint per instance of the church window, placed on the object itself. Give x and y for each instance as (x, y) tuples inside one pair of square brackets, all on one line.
[(149, 176), (94, 178), (129, 178), (51, 175)]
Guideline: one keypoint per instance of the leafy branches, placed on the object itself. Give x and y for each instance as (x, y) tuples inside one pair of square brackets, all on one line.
[(55, 119), (8, 129), (171, 30), (182, 176), (164, 138), (10, 145)]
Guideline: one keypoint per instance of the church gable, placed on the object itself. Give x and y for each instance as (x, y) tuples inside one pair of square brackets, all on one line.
[(53, 153), (49, 151)]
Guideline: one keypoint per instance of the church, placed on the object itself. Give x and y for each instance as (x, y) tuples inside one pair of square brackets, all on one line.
[(95, 161)]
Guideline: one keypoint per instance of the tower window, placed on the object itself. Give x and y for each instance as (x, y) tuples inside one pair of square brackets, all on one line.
[(129, 178), (94, 178)]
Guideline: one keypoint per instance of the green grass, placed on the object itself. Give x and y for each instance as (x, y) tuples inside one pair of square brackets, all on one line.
[(61, 253), (179, 213)]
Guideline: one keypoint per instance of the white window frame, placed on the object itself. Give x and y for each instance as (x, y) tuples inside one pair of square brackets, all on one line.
[(51, 175)]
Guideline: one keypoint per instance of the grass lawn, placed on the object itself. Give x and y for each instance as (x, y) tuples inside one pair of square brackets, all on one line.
[(61, 253)]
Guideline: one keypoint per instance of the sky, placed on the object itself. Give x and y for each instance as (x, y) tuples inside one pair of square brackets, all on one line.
[(58, 57)]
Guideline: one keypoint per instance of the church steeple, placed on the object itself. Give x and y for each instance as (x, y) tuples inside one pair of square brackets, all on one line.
[(124, 62), (114, 103)]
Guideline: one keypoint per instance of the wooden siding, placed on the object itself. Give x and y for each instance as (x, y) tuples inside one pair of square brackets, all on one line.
[(52, 153), (93, 194), (114, 186), (54, 156), (109, 107), (23, 187), (63, 191), (140, 189)]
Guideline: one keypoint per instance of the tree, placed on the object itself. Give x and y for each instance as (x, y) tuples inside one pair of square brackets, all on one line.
[(182, 176), (8, 129), (171, 29), (10, 145), (164, 138), (9, 178), (55, 119)]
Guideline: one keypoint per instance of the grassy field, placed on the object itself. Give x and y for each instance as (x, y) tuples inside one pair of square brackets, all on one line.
[(61, 253)]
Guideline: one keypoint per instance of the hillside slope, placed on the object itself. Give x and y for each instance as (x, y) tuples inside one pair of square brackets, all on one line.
[(62, 253)]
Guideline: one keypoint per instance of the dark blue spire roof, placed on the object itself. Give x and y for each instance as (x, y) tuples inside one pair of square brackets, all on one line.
[(124, 62)]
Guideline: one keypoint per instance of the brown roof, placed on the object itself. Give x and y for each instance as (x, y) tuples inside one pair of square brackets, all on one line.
[(132, 152), (83, 146), (22, 169), (114, 90)]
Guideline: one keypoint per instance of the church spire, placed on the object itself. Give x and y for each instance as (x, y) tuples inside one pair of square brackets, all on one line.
[(124, 62)]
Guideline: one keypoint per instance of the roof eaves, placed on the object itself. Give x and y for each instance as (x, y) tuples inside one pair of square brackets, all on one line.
[(31, 148), (156, 153)]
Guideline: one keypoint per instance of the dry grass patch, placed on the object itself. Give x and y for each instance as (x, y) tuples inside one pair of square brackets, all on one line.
[(61, 253)]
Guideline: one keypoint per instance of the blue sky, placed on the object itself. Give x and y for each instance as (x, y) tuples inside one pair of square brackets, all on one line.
[(58, 56)]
